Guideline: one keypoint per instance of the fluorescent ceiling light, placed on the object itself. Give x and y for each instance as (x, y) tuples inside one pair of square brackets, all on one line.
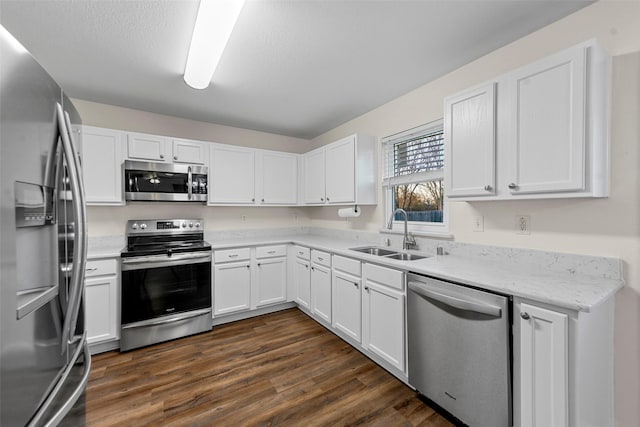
[(214, 24)]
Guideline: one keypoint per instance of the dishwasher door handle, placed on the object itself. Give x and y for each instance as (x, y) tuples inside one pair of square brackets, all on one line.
[(454, 301)]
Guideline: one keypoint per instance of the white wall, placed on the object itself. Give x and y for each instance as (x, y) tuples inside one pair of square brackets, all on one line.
[(110, 221), (602, 227)]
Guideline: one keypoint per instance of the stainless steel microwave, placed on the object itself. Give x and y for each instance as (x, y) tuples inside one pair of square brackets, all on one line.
[(165, 182)]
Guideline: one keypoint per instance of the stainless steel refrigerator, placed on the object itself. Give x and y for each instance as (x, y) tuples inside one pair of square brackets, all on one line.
[(44, 357)]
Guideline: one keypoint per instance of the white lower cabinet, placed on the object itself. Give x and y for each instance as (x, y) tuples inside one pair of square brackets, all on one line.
[(101, 293), (302, 277), (271, 275), (321, 285), (383, 318), (346, 308), (232, 287)]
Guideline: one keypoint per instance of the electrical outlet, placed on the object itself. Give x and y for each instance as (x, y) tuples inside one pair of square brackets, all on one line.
[(478, 223), (244, 218), (523, 224)]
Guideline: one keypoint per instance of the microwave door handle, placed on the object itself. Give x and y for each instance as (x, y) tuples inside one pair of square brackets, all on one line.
[(79, 211), (190, 182)]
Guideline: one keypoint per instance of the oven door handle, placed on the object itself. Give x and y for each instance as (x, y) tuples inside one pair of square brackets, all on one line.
[(157, 261), (172, 319)]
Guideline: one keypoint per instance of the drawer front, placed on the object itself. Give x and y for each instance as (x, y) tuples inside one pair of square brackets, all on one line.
[(322, 258), (384, 276), (303, 253), (227, 255), (101, 267), (271, 251), (347, 265)]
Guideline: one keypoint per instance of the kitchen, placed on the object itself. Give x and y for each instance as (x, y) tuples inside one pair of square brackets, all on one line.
[(563, 225)]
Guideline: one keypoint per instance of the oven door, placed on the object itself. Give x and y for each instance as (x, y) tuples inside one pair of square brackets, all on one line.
[(162, 285)]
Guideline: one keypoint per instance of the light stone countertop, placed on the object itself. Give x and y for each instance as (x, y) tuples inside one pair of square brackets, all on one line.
[(570, 281)]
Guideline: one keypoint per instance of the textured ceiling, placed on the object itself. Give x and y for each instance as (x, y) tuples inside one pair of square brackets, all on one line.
[(297, 68)]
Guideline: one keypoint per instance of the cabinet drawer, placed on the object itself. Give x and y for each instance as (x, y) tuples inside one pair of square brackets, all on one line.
[(226, 255), (322, 258), (347, 265), (101, 267), (384, 276), (271, 251), (302, 252)]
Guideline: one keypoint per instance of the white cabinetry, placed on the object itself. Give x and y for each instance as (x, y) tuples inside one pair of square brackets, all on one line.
[(142, 146), (232, 281), (321, 285), (563, 365), (343, 172), (383, 313), (346, 308), (551, 131), (102, 316), (276, 178), (302, 277), (231, 175), (271, 275), (102, 166), (187, 151)]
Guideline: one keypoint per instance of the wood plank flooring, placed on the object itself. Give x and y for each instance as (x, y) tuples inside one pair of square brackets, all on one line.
[(279, 369)]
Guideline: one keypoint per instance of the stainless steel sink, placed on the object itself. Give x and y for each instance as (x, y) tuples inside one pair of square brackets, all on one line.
[(404, 256), (372, 250)]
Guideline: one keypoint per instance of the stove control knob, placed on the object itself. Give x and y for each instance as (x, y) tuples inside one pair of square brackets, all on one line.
[(190, 225), (134, 225), (184, 225), (143, 226), (197, 225)]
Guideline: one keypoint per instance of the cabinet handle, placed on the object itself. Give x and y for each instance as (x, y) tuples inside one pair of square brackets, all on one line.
[(233, 256), (322, 199), (313, 268), (327, 199), (175, 157), (320, 259), (90, 269), (512, 186), (253, 200), (271, 252), (525, 315), (355, 284), (162, 156), (262, 200), (259, 264), (366, 288), (487, 188), (306, 266), (248, 266)]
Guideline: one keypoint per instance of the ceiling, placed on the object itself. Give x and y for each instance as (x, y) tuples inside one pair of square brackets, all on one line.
[(296, 68)]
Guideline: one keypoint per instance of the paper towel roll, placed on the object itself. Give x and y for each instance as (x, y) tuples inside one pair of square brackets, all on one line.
[(353, 212)]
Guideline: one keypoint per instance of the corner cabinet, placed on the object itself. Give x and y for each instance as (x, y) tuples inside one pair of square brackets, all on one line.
[(548, 138), (102, 166), (342, 173), (563, 365)]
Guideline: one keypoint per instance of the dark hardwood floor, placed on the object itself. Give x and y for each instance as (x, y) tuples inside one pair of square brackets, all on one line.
[(279, 369)]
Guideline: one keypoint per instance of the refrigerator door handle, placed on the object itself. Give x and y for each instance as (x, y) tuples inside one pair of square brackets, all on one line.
[(80, 214), (80, 388)]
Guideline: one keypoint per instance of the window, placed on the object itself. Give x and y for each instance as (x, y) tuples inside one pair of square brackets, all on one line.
[(413, 178)]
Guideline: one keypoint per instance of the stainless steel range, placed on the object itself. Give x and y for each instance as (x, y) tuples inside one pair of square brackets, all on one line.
[(166, 282)]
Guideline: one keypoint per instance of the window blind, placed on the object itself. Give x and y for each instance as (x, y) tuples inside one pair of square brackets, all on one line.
[(414, 157)]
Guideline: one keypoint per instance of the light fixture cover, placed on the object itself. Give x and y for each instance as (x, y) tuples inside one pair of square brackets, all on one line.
[(214, 24)]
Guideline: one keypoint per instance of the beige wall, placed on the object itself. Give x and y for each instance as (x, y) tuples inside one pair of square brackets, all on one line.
[(603, 227), (110, 221)]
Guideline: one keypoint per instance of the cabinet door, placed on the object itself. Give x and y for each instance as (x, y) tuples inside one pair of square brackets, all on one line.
[(302, 276), (192, 152), (102, 166), (271, 281), (383, 323), (147, 147), (543, 367), (547, 144), (231, 175), (277, 178), (101, 308), (340, 171), (232, 288), (314, 190), (470, 142), (321, 292), (347, 305)]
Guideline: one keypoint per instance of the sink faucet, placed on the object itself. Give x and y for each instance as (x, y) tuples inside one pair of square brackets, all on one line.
[(408, 242)]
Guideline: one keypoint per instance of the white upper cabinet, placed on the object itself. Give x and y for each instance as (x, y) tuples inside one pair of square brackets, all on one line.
[(102, 165), (471, 149), (187, 151), (276, 178), (343, 172), (314, 181), (551, 131), (148, 147), (231, 175)]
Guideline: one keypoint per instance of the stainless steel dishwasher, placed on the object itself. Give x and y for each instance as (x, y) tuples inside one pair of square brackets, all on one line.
[(460, 350)]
